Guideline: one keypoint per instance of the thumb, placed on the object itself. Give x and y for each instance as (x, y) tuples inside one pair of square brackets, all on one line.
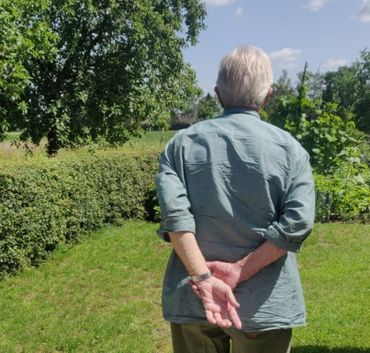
[(213, 266)]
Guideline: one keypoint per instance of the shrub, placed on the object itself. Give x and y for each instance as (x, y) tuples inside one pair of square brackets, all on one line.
[(341, 198), (45, 202)]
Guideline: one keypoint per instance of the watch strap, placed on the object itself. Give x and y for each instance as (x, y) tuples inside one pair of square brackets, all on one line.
[(201, 278)]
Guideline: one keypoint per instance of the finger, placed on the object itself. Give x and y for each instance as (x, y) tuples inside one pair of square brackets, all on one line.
[(226, 319), (231, 298), (196, 291), (222, 322), (234, 317), (210, 317)]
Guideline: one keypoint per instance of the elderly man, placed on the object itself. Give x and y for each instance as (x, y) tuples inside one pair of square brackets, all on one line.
[(237, 201)]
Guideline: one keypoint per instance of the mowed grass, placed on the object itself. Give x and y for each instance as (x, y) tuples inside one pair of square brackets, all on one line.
[(12, 136), (335, 272), (103, 295), (151, 138), (10, 150)]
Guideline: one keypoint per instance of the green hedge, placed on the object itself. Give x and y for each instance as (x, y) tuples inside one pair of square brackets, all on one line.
[(50, 201), (45, 202)]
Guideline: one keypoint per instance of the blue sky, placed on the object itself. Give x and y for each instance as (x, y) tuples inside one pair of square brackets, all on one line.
[(325, 33)]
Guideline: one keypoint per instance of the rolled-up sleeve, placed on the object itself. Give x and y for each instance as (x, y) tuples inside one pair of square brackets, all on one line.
[(173, 199), (298, 213)]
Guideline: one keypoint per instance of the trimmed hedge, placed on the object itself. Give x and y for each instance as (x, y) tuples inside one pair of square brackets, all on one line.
[(46, 202)]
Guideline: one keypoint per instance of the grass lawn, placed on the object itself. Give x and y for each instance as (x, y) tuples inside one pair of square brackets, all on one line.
[(11, 136), (151, 139), (103, 295)]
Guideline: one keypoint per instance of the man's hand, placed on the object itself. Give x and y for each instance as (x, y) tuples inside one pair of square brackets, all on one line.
[(219, 303), (228, 272)]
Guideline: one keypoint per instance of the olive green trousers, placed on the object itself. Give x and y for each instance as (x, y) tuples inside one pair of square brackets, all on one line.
[(207, 338)]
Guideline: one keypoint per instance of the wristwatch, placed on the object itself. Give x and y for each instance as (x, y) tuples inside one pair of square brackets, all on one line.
[(201, 278)]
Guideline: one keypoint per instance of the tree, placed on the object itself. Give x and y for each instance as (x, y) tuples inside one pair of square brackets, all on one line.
[(329, 139), (187, 115), (315, 84), (361, 109), (341, 87), (208, 107), (22, 36), (281, 88), (338, 151), (118, 63), (349, 86)]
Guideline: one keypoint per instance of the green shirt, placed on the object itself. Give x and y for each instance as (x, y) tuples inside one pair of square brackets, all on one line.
[(235, 182)]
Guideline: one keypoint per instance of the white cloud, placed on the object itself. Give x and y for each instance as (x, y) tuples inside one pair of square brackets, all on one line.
[(316, 5), (333, 64), (287, 57), (239, 11), (364, 14), (218, 2)]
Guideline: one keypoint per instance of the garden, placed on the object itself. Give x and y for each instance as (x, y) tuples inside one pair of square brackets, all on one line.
[(104, 294), (81, 266), (73, 283)]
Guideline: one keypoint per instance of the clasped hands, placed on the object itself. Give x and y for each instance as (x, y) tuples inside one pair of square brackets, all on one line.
[(217, 294)]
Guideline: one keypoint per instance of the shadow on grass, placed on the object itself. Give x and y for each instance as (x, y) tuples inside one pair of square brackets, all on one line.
[(322, 349)]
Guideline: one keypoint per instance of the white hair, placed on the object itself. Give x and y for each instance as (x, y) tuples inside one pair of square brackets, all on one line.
[(244, 77)]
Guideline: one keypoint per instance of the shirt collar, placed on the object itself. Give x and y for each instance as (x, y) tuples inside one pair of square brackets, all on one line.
[(241, 110)]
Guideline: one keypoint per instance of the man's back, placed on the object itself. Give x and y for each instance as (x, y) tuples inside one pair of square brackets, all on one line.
[(237, 201), (236, 171)]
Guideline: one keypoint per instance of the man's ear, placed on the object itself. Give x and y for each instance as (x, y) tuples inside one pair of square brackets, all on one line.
[(218, 96), (268, 96)]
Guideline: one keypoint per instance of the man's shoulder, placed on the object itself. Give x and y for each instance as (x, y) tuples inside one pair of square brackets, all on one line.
[(241, 128), (199, 128), (282, 136)]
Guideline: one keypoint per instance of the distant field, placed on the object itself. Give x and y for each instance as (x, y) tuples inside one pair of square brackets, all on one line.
[(156, 139), (152, 137), (11, 136), (104, 295), (8, 149)]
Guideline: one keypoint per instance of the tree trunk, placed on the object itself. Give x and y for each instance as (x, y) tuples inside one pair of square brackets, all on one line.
[(328, 201), (53, 143)]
